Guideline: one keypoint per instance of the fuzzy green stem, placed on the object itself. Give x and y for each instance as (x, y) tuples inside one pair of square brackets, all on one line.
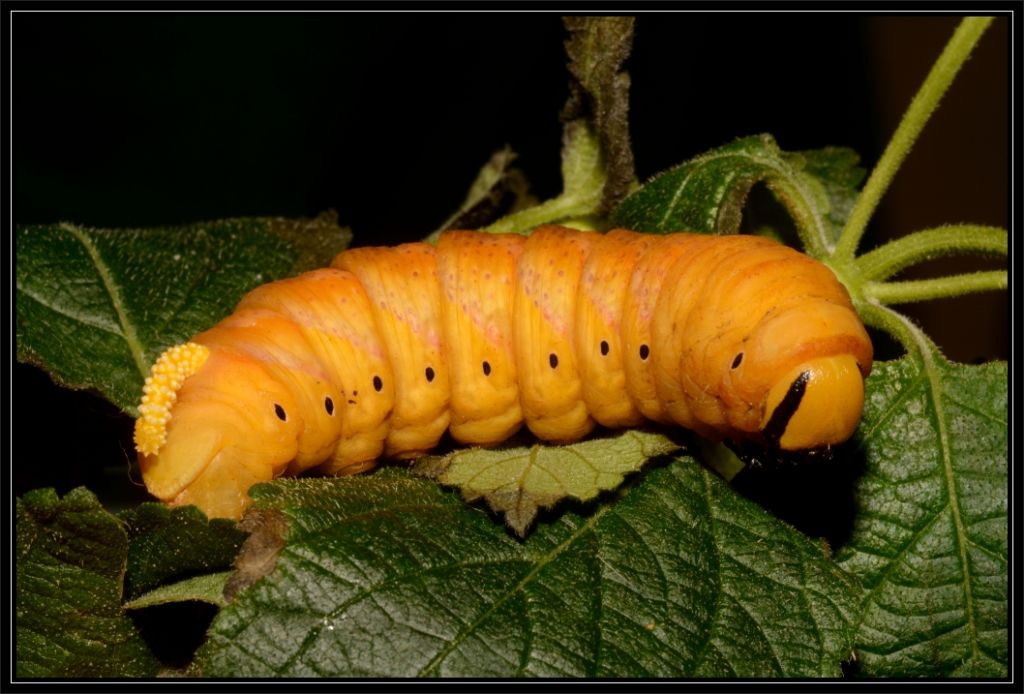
[(938, 288), (929, 244), (913, 339), (547, 212), (927, 98)]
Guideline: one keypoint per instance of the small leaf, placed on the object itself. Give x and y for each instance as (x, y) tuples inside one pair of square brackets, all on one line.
[(173, 543), (707, 193), (70, 559), (126, 295), (930, 539), (498, 189), (208, 588), (387, 575), (518, 481)]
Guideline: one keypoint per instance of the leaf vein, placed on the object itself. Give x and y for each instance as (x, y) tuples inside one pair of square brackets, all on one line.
[(114, 292), (540, 564)]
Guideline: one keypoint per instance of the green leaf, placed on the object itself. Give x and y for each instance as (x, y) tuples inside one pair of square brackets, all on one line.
[(930, 538), (838, 170), (95, 307), (208, 588), (69, 562), (389, 575), (707, 193), (172, 543), (518, 481)]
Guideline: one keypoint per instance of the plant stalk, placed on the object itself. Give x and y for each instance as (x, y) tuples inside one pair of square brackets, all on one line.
[(938, 288), (953, 56), (886, 261)]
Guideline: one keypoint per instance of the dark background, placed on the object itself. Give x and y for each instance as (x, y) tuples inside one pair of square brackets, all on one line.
[(146, 119)]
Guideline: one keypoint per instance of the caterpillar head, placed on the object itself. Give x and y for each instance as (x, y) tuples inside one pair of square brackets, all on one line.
[(817, 403), (212, 423), (804, 371)]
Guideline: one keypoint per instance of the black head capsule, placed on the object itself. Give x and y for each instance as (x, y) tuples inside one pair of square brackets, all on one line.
[(738, 360), (487, 368), (281, 414), (429, 374), (645, 352), (329, 405), (604, 348), (378, 385), (553, 360)]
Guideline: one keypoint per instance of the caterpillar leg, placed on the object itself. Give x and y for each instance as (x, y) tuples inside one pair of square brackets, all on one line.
[(348, 468)]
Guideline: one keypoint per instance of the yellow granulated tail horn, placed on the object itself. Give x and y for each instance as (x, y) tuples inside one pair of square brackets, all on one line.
[(161, 391)]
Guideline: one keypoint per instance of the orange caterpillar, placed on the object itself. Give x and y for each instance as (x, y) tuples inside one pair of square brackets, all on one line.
[(734, 337)]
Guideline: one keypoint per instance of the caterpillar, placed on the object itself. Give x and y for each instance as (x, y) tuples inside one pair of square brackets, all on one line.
[(734, 337)]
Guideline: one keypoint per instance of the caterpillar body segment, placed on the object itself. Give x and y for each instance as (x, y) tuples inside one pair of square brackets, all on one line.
[(405, 303), (604, 286), (734, 337), (544, 314), (478, 274), (350, 350)]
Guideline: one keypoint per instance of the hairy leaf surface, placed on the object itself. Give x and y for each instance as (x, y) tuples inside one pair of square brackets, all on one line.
[(70, 559), (95, 307), (166, 544), (930, 539), (707, 193), (388, 575)]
